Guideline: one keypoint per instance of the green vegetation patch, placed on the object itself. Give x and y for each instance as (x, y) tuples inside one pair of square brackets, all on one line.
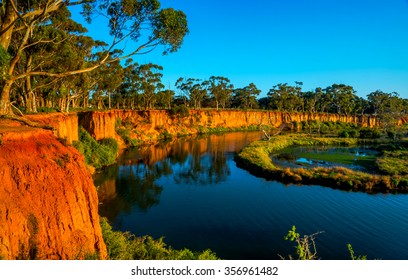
[(256, 158), (126, 246), (394, 162), (97, 154), (340, 157)]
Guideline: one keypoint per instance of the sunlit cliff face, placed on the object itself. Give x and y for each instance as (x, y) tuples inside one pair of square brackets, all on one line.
[(49, 205), (150, 125)]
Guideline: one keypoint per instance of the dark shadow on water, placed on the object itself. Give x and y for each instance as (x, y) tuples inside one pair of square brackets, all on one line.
[(196, 161)]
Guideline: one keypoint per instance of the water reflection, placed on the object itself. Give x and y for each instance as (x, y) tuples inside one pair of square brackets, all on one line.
[(194, 161), (191, 192)]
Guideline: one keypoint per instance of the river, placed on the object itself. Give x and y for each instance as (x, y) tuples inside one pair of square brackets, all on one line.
[(191, 192)]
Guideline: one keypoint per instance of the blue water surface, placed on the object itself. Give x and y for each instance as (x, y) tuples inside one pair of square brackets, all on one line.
[(191, 192)]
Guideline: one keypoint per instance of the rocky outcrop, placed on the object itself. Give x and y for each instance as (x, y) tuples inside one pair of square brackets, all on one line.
[(65, 124), (150, 125), (49, 205), (100, 125)]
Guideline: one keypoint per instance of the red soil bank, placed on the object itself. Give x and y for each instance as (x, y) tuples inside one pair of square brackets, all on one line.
[(48, 203)]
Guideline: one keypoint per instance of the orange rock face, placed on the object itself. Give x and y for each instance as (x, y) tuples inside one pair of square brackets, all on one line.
[(48, 203), (65, 125), (148, 125)]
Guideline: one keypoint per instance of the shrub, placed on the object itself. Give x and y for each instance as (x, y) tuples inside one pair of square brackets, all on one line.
[(97, 154), (344, 134), (165, 135), (349, 133), (180, 110), (126, 246), (125, 135), (306, 248), (393, 162), (369, 133)]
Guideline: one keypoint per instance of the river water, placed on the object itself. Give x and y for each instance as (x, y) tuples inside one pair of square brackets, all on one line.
[(191, 192)]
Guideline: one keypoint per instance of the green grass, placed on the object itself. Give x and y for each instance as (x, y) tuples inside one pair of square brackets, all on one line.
[(338, 157), (256, 158), (394, 162)]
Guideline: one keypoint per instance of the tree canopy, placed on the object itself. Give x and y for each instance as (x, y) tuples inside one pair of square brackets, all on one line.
[(42, 45)]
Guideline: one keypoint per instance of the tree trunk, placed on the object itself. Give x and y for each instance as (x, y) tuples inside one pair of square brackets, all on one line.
[(109, 100), (31, 103), (7, 22), (67, 103), (85, 101), (5, 98)]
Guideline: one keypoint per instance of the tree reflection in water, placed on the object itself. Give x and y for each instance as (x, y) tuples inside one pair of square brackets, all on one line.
[(195, 161)]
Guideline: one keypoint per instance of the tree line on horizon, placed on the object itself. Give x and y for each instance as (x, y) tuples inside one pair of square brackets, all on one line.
[(47, 62)]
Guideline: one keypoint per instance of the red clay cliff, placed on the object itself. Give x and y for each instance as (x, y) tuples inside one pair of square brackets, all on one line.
[(48, 203)]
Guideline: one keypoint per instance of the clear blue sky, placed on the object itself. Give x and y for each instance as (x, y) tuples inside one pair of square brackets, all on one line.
[(363, 43)]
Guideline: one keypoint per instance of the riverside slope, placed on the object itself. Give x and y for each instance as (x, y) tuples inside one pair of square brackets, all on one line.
[(49, 204)]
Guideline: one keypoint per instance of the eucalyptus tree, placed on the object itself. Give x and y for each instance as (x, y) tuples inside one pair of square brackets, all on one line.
[(165, 98), (362, 106), (107, 80), (195, 90), (149, 83), (300, 96), (378, 100), (129, 95), (312, 99), (326, 102), (246, 97), (284, 98), (48, 49), (183, 85), (143, 22), (343, 98), (198, 93), (221, 90), (389, 107)]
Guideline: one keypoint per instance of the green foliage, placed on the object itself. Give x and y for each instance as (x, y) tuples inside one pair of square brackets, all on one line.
[(354, 257), (97, 154), (165, 135), (47, 110), (256, 158), (124, 133), (305, 246), (369, 133), (126, 246), (62, 160), (342, 129), (394, 162), (170, 28), (394, 134), (4, 62), (353, 133), (180, 111)]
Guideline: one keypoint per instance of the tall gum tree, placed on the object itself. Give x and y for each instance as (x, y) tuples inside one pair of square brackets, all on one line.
[(141, 21)]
